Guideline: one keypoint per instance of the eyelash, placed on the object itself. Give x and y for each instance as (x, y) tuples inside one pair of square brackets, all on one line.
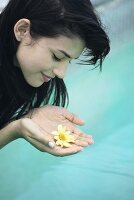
[(55, 58), (58, 59)]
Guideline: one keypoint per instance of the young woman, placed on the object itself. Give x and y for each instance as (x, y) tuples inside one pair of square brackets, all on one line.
[(38, 39)]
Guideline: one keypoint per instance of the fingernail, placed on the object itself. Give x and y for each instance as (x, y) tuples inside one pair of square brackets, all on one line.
[(78, 150), (51, 144), (83, 121), (81, 149), (91, 141)]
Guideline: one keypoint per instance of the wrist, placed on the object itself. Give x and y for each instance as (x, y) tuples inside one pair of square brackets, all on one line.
[(15, 129)]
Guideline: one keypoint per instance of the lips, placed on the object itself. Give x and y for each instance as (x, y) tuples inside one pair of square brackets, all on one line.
[(45, 77)]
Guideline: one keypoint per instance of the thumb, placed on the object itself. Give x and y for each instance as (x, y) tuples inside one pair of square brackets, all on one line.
[(73, 118)]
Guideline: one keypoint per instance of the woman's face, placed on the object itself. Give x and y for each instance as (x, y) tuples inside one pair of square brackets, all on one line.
[(48, 56)]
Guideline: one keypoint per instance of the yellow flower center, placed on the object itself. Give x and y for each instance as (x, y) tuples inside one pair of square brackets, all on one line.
[(62, 136)]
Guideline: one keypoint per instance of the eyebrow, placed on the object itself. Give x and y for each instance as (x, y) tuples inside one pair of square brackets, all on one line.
[(66, 54)]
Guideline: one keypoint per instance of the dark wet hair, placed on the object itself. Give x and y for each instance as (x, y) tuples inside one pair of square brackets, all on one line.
[(50, 18)]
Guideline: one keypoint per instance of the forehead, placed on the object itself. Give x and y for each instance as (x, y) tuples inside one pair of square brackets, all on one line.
[(73, 46)]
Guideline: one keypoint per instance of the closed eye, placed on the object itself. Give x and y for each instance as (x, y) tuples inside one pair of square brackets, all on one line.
[(58, 59), (55, 58)]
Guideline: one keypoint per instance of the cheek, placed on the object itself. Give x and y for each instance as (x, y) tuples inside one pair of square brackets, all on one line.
[(41, 60), (24, 58), (34, 59)]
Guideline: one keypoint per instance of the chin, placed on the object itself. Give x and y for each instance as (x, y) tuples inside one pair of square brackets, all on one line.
[(35, 85)]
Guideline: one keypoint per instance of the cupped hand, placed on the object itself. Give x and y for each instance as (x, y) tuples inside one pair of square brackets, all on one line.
[(39, 123)]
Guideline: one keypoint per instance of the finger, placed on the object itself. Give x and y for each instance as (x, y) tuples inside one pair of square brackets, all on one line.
[(81, 133), (36, 133), (82, 138), (56, 151), (73, 118), (83, 142), (37, 144)]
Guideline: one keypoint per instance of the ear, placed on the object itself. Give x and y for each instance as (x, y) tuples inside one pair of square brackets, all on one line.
[(22, 29)]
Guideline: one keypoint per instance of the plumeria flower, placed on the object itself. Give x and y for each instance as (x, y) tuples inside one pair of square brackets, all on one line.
[(63, 137)]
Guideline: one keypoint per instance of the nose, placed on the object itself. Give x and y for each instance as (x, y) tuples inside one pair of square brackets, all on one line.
[(60, 70)]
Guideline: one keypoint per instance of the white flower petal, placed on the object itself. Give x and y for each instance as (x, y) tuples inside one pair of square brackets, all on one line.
[(56, 137), (59, 127), (59, 142), (64, 128), (66, 144), (68, 132)]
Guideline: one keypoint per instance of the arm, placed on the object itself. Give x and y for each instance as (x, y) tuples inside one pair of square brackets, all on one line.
[(9, 133)]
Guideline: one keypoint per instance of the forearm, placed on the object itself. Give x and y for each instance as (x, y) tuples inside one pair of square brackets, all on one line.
[(9, 133)]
